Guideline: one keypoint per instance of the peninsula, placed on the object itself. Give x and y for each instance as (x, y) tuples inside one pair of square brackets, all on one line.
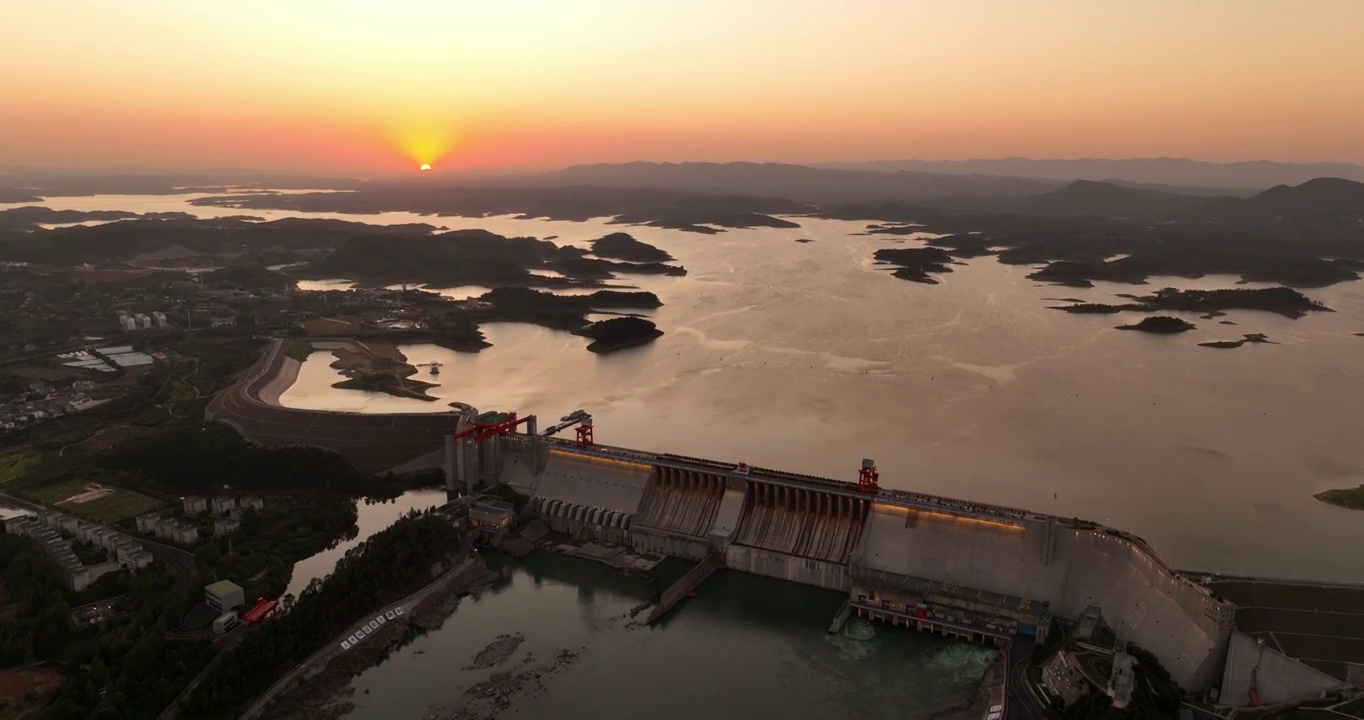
[(1349, 498)]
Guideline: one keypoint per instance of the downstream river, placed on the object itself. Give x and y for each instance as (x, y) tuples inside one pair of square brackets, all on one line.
[(808, 357)]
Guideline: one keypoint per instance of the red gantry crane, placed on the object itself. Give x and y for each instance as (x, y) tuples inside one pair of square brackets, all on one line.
[(867, 477)]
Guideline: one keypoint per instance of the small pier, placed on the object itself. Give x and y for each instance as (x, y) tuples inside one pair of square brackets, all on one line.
[(686, 585)]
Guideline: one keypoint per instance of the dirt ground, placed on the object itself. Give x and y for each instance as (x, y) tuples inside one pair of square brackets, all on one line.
[(15, 684), (329, 326)]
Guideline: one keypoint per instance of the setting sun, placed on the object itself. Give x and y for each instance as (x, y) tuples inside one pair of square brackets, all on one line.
[(425, 167)]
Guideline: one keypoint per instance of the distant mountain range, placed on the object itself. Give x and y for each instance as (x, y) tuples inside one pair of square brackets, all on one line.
[(1257, 175), (794, 182)]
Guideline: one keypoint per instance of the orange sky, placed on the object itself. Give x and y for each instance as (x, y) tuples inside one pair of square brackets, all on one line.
[(378, 86)]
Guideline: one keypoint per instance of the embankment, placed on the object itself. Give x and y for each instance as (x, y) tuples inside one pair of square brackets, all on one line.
[(373, 443)]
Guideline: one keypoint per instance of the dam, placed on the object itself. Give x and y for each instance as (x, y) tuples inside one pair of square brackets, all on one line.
[(977, 571)]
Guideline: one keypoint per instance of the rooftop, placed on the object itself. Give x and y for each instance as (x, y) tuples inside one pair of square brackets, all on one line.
[(223, 587)]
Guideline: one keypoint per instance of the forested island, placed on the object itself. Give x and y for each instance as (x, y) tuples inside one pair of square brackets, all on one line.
[(1160, 324), (1280, 300), (916, 264), (619, 333)]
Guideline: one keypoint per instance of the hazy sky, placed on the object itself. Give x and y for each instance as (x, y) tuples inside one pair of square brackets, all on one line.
[(380, 85)]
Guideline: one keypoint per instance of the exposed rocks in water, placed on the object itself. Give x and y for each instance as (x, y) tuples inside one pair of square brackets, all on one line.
[(1257, 338), (487, 699), (1160, 324), (804, 240), (1225, 322), (496, 652)]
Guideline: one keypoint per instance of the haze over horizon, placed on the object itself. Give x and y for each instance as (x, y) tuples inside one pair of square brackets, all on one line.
[(377, 88)]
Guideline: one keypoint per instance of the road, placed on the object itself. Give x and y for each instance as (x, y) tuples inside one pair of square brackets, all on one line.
[(1023, 701), (180, 561), (333, 648)]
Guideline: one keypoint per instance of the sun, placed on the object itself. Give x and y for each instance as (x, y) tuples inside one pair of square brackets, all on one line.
[(425, 167)]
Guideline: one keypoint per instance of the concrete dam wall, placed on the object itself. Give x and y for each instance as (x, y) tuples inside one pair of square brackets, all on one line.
[(892, 550), (586, 497), (804, 523), (1070, 568)]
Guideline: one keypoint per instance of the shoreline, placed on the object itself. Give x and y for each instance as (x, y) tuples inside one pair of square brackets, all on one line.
[(275, 388), (319, 687)]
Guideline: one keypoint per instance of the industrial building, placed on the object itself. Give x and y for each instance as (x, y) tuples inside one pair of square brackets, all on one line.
[(224, 595), (491, 517), (226, 622)]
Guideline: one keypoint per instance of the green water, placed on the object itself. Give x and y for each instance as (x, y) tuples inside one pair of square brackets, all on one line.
[(743, 647)]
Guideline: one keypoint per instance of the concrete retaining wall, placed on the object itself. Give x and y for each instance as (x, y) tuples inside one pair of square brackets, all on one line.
[(1279, 678), (833, 576)]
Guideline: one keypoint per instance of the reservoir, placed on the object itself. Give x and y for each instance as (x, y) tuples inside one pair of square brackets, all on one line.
[(809, 357)]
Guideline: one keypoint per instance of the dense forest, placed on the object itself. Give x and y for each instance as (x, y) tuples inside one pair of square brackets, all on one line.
[(128, 658), (386, 567)]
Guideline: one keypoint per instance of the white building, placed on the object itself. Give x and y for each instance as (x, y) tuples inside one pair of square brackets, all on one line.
[(159, 318), (149, 522), (224, 504), (194, 504), (127, 322), (252, 501), (144, 322)]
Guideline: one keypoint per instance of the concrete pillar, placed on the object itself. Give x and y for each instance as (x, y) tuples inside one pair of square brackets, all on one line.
[(451, 464), (530, 426)]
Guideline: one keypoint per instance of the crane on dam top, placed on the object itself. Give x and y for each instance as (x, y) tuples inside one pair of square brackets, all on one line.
[(868, 478), (498, 424), (582, 419)]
